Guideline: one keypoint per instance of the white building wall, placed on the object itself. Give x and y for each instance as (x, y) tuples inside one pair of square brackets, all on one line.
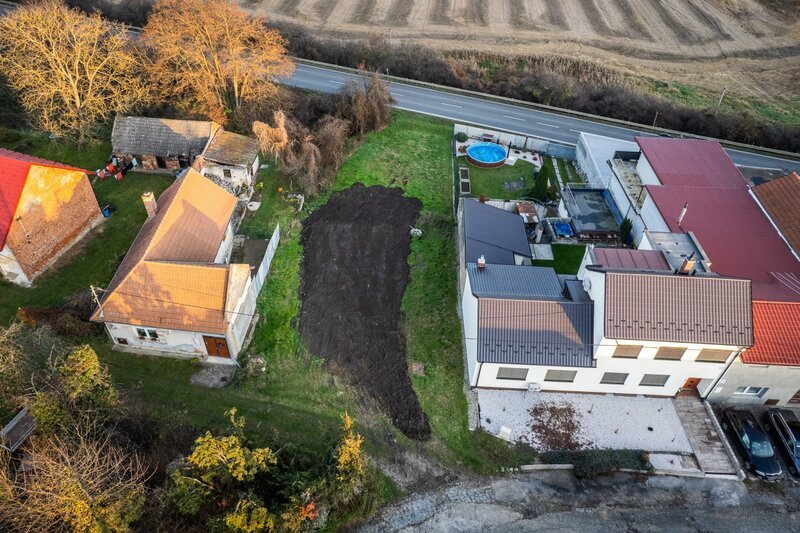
[(171, 343), (782, 382), (11, 269), (469, 316), (646, 172), (653, 221), (588, 379), (223, 256), (241, 176)]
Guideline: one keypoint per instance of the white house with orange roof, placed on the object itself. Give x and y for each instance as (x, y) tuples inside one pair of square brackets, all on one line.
[(176, 292)]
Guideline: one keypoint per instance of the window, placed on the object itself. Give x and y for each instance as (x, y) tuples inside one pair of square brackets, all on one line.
[(518, 374), (751, 391), (795, 398), (564, 376), (122, 340), (627, 350), (673, 354), (614, 378), (653, 380), (147, 334), (713, 356), (226, 172)]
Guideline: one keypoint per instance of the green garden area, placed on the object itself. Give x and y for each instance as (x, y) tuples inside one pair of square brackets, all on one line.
[(296, 402)]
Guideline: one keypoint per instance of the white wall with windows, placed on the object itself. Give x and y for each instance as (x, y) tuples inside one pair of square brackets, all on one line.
[(758, 384), (159, 341)]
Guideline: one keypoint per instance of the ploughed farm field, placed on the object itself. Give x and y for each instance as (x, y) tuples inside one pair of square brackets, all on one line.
[(746, 44)]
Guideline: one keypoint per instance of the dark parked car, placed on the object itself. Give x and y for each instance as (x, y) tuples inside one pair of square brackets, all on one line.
[(759, 456), (785, 425)]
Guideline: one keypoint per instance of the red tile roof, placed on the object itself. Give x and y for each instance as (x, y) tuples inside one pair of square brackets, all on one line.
[(737, 236), (690, 163), (14, 168), (625, 259), (781, 198), (776, 326)]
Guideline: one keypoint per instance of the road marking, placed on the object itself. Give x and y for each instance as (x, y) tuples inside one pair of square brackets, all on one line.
[(396, 94), (337, 82), (452, 105), (548, 125), (577, 131), (514, 118)]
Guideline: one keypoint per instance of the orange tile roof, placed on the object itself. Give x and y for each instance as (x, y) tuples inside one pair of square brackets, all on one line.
[(781, 198), (776, 328), (168, 278)]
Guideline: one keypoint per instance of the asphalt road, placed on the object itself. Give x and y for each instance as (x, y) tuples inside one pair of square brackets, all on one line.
[(520, 119)]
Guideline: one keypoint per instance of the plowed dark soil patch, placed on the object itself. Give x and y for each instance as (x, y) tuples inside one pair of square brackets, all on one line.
[(354, 274)]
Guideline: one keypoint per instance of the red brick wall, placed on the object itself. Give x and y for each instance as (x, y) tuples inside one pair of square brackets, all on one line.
[(56, 206)]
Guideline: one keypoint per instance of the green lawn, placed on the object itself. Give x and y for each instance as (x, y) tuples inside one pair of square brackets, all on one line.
[(489, 181), (297, 403), (566, 258)]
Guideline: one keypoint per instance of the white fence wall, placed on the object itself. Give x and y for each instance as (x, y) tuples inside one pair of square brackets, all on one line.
[(518, 141), (263, 269)]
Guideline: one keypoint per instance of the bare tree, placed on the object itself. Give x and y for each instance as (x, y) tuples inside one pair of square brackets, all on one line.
[(305, 166), (273, 140), (83, 482), (71, 71), (368, 103), (211, 55)]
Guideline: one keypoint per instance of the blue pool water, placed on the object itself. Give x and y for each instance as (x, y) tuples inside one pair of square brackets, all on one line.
[(563, 229), (487, 152)]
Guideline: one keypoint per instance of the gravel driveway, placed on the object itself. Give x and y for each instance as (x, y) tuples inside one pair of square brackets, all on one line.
[(600, 421)]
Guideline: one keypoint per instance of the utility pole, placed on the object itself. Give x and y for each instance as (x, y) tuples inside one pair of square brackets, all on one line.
[(721, 96), (656, 118)]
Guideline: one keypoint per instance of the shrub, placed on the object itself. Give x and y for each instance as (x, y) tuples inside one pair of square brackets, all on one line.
[(9, 136), (462, 137), (593, 463)]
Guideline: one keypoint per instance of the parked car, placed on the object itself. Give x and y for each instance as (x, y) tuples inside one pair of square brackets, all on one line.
[(759, 455), (785, 425)]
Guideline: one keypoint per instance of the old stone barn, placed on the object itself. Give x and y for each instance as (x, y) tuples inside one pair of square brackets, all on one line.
[(160, 143)]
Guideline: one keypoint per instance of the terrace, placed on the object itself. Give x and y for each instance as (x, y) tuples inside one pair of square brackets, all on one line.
[(594, 213), (624, 166)]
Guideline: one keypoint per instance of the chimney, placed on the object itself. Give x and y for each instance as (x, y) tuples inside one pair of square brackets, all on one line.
[(683, 213), (149, 201), (688, 265), (481, 263)]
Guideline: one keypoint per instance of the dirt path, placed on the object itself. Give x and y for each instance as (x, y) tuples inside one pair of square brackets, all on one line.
[(354, 274)]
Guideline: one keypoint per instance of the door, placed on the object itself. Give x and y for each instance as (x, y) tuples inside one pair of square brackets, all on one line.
[(691, 383), (216, 346)]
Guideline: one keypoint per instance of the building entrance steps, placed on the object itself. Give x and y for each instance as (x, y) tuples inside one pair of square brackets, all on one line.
[(706, 442)]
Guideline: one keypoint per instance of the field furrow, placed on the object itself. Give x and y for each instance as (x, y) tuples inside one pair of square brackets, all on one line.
[(399, 12), (362, 12), (475, 12), (441, 12)]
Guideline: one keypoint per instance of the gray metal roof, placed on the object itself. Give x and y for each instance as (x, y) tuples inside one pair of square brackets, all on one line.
[(678, 308), (535, 332), (493, 233), (160, 136), (519, 282)]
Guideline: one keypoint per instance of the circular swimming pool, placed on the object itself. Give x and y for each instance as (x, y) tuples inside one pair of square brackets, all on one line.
[(487, 155)]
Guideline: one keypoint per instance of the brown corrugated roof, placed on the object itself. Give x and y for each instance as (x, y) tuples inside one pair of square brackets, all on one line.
[(623, 258), (781, 198), (678, 308), (535, 332), (167, 279), (231, 149)]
